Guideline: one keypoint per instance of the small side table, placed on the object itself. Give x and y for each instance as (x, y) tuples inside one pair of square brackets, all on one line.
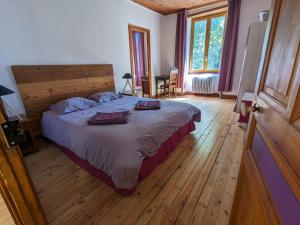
[(128, 93), (31, 128)]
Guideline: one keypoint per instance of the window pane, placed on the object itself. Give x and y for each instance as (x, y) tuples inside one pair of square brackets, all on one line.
[(216, 42), (199, 44)]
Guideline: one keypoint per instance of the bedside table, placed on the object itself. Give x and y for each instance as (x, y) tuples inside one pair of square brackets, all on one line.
[(31, 128), (128, 93)]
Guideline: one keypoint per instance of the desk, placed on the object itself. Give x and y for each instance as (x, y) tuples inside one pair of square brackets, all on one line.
[(163, 78)]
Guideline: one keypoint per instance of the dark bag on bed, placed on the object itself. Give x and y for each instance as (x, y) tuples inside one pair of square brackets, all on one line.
[(101, 118), (147, 105)]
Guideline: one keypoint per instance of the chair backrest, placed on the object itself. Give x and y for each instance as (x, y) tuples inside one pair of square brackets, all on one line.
[(173, 76)]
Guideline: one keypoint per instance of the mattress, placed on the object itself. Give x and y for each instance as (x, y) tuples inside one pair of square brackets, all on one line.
[(119, 149)]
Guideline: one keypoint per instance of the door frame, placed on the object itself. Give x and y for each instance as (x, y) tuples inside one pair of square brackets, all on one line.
[(131, 29), (16, 186)]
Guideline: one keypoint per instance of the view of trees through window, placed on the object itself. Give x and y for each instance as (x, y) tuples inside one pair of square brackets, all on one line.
[(206, 43)]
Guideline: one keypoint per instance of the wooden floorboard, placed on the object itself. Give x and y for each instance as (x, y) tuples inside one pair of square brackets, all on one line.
[(5, 217), (194, 186)]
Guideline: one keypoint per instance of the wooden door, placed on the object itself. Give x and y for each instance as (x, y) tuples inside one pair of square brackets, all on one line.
[(16, 186), (268, 190)]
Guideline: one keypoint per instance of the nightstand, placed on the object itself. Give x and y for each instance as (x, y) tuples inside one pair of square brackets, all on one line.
[(31, 128), (128, 93)]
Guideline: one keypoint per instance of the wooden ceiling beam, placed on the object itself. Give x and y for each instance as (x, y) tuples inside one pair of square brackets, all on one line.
[(167, 7)]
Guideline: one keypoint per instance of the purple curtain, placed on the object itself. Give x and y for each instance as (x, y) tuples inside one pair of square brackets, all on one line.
[(139, 57), (180, 52), (230, 45)]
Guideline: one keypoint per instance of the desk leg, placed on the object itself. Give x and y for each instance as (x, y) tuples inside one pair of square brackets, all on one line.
[(165, 83), (156, 87)]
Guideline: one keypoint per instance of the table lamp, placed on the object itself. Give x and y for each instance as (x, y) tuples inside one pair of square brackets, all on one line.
[(4, 91), (128, 77)]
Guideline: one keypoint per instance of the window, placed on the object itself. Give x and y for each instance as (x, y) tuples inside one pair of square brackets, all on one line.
[(207, 43)]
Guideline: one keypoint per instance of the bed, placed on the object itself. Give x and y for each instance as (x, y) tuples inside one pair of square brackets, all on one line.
[(120, 155)]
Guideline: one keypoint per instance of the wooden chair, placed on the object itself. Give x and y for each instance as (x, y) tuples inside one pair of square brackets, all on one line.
[(173, 82)]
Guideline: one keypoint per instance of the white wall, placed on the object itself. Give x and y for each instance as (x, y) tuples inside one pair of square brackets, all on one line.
[(249, 14), (168, 37), (71, 32)]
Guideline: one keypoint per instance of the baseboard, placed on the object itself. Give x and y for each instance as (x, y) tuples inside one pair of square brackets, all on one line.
[(215, 95), (224, 96), (161, 95), (158, 96), (202, 94)]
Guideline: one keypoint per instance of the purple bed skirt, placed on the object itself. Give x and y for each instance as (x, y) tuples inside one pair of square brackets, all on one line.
[(149, 164)]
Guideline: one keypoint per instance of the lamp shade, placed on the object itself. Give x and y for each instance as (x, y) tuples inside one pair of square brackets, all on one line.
[(5, 91), (127, 76)]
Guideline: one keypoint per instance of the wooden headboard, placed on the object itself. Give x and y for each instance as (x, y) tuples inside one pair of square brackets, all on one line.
[(41, 86)]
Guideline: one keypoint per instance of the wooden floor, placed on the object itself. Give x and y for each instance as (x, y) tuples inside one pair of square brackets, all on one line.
[(194, 186), (5, 218)]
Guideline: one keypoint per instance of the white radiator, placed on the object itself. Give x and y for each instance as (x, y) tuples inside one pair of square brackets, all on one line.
[(203, 85)]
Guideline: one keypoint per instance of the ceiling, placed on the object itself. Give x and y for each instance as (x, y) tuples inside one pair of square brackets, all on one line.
[(167, 7)]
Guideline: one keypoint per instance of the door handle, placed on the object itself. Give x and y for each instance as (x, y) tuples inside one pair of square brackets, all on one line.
[(246, 109)]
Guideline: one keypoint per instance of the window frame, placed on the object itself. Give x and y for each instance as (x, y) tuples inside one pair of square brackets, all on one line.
[(207, 39)]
